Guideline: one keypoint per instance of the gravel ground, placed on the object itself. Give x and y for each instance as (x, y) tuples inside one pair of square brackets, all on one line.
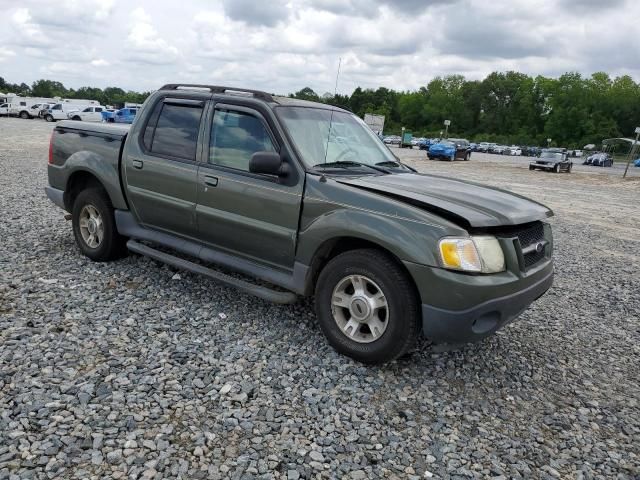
[(134, 370)]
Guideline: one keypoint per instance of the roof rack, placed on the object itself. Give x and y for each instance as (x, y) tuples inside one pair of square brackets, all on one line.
[(218, 89)]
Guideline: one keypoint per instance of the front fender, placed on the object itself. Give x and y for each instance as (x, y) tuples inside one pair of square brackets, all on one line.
[(409, 240)]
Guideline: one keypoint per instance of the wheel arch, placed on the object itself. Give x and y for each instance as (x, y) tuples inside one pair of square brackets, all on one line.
[(332, 247), (78, 181)]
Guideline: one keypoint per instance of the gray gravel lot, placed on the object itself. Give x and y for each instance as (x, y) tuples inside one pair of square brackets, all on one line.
[(134, 370)]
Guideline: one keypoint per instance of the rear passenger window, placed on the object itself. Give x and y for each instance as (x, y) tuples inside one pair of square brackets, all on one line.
[(176, 132)]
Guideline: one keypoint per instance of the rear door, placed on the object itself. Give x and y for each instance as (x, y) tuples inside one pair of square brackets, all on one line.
[(250, 215), (161, 168)]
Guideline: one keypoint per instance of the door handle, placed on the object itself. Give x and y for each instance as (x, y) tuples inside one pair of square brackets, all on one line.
[(137, 164), (211, 181)]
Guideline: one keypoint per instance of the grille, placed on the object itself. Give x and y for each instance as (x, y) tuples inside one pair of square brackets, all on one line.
[(529, 235)]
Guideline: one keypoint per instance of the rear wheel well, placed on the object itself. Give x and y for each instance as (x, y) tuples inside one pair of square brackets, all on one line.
[(334, 247), (78, 182)]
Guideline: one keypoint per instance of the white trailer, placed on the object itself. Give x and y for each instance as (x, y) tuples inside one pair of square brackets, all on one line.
[(23, 107)]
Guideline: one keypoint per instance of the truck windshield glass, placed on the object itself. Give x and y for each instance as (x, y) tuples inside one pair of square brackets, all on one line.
[(325, 136)]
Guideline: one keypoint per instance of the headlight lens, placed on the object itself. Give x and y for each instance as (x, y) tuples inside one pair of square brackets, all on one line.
[(474, 254)]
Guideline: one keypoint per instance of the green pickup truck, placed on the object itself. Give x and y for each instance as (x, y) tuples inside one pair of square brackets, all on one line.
[(307, 200)]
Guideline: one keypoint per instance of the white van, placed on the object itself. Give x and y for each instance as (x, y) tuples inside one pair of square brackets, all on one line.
[(61, 111)]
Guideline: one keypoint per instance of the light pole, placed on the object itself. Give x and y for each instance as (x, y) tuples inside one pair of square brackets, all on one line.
[(633, 149), (548, 142), (402, 138), (446, 128)]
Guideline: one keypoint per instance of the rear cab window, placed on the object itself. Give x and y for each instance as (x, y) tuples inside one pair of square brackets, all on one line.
[(172, 129)]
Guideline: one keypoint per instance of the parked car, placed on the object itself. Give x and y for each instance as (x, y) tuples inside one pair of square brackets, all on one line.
[(44, 109), (530, 151), (221, 175), (513, 151), (392, 140), (92, 113), (61, 111), (637, 162), (473, 147), (452, 149), (498, 149), (485, 147), (553, 160), (124, 115), (599, 160)]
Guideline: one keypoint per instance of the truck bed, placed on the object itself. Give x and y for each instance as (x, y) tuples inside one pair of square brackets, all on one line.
[(87, 148)]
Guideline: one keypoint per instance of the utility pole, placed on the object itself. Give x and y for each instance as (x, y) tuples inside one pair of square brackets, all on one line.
[(633, 149)]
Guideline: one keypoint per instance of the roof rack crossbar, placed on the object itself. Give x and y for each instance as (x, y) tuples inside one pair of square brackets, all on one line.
[(218, 89)]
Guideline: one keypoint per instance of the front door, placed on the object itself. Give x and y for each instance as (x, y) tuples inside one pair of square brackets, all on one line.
[(161, 170), (250, 215)]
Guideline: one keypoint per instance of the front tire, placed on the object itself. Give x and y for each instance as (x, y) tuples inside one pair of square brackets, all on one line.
[(94, 226), (48, 118), (76, 118), (367, 306)]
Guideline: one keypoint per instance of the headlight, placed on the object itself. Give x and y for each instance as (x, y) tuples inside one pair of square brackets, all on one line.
[(474, 254)]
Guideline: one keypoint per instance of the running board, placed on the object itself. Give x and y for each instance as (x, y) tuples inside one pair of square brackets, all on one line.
[(265, 293)]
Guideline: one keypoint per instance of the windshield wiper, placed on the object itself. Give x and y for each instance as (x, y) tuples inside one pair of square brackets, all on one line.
[(350, 163), (393, 163)]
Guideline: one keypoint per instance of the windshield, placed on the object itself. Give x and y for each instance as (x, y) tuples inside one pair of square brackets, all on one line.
[(446, 144), (552, 155), (328, 136)]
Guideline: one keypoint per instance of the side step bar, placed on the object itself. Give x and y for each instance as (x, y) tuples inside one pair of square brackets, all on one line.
[(265, 293)]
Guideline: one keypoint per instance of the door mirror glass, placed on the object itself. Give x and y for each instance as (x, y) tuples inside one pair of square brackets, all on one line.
[(266, 163)]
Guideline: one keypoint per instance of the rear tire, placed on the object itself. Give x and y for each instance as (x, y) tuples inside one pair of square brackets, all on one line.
[(24, 115), (396, 325), (76, 118), (94, 226)]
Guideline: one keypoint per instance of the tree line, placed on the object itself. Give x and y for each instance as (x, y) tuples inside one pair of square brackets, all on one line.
[(505, 107), (51, 89)]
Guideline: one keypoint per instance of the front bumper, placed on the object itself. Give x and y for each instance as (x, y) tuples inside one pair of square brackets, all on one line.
[(461, 308), (441, 155)]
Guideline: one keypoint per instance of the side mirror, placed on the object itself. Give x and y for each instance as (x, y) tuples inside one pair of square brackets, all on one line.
[(267, 163)]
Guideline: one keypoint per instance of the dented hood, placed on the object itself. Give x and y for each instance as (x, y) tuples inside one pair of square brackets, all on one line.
[(463, 202)]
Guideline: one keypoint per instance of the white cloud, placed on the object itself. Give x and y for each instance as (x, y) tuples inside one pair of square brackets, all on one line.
[(100, 62), (284, 45), (144, 43)]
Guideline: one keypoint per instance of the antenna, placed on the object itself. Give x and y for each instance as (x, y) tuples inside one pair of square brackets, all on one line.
[(335, 90)]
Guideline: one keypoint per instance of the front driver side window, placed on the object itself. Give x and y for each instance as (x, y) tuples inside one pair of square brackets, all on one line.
[(235, 137)]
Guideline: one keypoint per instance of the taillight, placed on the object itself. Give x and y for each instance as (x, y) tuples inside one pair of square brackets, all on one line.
[(51, 148)]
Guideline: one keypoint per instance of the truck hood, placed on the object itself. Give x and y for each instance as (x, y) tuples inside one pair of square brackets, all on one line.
[(462, 202)]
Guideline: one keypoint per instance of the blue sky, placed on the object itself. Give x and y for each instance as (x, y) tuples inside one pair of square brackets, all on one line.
[(284, 45)]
